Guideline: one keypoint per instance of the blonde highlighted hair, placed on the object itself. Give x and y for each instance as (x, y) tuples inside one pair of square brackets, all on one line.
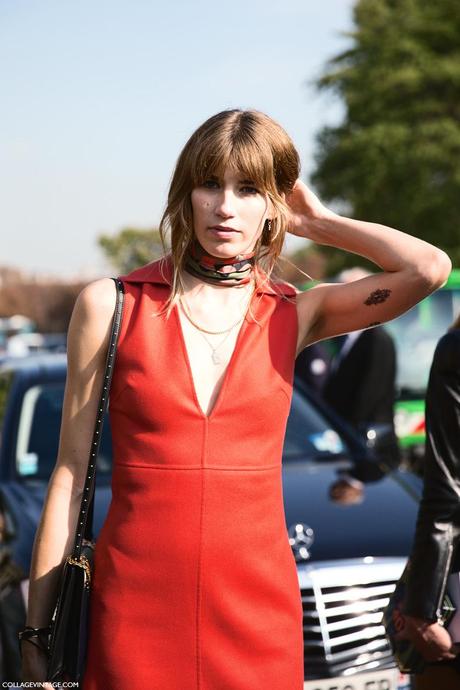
[(246, 141)]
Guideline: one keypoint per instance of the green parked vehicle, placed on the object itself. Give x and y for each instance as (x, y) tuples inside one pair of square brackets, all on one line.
[(416, 334)]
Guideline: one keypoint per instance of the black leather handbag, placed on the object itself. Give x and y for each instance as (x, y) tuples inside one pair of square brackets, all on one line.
[(67, 642)]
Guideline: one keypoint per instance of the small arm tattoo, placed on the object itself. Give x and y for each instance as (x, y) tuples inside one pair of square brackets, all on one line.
[(377, 297), (374, 323)]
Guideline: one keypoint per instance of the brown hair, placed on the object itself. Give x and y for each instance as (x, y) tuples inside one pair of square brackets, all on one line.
[(251, 143)]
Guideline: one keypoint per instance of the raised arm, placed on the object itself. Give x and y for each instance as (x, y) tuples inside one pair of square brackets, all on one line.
[(87, 344), (411, 270)]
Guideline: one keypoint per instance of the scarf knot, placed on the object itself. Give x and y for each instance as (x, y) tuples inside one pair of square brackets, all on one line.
[(235, 270)]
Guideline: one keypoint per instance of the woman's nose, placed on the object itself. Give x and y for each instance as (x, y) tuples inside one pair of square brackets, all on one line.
[(225, 205)]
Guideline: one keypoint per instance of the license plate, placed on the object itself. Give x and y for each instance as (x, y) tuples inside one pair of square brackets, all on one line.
[(376, 680)]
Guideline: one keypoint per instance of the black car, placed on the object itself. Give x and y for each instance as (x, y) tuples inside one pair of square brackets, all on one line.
[(31, 397), (350, 517), (350, 546)]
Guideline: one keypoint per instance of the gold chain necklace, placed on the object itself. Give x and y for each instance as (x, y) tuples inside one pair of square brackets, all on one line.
[(216, 358), (204, 330)]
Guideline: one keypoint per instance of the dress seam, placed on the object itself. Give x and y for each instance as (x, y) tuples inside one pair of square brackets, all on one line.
[(200, 554), (198, 467)]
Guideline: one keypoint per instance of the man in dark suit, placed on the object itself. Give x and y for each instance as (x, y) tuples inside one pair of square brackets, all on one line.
[(361, 388), (361, 383), (312, 366)]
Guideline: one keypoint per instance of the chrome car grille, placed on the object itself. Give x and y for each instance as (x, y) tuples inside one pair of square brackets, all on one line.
[(343, 604)]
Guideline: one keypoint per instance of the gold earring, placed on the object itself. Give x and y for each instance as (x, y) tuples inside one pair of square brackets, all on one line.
[(266, 233)]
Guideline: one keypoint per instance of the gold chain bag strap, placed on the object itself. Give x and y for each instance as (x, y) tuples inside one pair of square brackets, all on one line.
[(67, 641)]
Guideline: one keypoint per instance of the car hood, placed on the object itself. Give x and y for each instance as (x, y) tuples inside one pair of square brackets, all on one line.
[(382, 524)]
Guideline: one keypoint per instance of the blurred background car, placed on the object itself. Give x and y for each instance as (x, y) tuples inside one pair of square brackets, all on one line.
[(19, 338), (31, 397)]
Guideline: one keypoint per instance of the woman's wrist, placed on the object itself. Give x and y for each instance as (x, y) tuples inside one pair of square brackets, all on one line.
[(320, 224), (315, 225), (419, 624), (34, 637), (31, 648), (40, 629), (324, 220), (308, 213)]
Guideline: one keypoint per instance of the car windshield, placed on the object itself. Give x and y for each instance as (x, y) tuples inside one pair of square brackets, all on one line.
[(416, 333), (309, 436), (38, 434)]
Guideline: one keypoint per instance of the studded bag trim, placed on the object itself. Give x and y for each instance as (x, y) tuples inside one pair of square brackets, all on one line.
[(85, 518)]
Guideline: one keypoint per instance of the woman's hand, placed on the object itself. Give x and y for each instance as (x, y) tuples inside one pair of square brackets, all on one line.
[(305, 207), (34, 665), (430, 639), (345, 492)]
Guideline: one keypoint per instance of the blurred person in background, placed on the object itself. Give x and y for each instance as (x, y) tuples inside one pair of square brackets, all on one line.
[(435, 552), (312, 366)]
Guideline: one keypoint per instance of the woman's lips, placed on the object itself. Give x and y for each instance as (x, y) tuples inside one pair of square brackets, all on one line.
[(222, 231)]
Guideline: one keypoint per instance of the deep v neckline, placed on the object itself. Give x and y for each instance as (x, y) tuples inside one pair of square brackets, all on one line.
[(227, 372)]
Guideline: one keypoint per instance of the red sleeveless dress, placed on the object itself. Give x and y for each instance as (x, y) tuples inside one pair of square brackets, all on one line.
[(195, 585)]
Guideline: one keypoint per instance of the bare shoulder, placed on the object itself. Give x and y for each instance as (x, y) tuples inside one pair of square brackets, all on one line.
[(87, 343), (282, 288), (308, 307), (97, 298), (289, 288), (92, 316), (96, 301)]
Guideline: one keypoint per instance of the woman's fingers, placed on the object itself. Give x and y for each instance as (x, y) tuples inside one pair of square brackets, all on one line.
[(305, 207), (430, 639)]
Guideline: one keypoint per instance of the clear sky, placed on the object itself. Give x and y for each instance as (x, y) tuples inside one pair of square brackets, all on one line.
[(99, 96)]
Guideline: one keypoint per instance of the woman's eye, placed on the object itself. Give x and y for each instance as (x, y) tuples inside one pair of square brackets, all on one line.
[(214, 184)]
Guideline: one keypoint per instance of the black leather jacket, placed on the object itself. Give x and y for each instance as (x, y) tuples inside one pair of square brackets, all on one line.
[(436, 550)]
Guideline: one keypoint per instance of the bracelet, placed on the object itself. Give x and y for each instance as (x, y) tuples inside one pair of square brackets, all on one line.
[(30, 632)]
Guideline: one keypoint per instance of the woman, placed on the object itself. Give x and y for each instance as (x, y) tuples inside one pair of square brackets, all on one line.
[(195, 585), (436, 544)]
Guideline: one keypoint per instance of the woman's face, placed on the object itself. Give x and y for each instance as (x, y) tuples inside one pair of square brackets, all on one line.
[(228, 214)]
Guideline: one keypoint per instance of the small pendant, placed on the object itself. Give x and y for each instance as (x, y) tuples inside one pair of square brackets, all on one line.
[(216, 357)]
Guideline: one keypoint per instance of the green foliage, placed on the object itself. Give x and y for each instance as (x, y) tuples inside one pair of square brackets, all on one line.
[(395, 158), (131, 248)]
